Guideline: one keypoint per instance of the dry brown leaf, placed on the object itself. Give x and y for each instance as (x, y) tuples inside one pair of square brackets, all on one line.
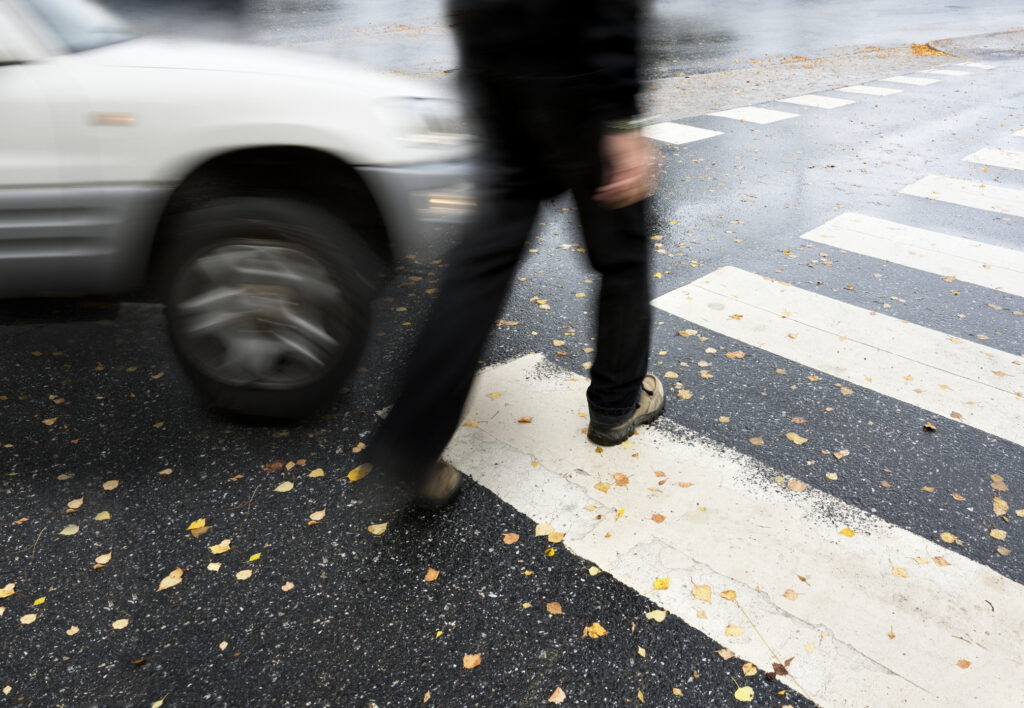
[(431, 575), (999, 506), (470, 661), (110, 485), (729, 595), (557, 697), (796, 438), (287, 587), (377, 529), (749, 669), (556, 537), (119, 623), (757, 441), (657, 518), (795, 485), (602, 487), (594, 631), (621, 480), (554, 608), (510, 538), (963, 663), (790, 594), (841, 454), (998, 534), (725, 653), (940, 561), (317, 516)]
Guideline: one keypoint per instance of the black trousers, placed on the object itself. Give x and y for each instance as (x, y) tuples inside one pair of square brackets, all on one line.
[(532, 155)]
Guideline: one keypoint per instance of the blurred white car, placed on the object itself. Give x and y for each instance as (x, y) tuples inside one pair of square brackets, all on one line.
[(261, 190)]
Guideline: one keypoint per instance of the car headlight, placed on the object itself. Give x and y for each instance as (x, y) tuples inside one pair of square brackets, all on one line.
[(430, 122)]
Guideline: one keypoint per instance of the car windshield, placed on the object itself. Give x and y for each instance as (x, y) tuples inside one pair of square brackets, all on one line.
[(80, 24)]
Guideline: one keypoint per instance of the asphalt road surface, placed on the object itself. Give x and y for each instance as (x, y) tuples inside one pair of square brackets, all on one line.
[(836, 485)]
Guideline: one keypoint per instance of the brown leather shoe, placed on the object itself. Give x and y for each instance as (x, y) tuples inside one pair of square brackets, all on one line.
[(649, 407), (441, 485)]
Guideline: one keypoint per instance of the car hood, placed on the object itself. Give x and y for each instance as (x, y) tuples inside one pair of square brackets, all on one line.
[(191, 55)]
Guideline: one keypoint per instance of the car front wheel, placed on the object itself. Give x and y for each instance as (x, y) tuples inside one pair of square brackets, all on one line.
[(267, 301)]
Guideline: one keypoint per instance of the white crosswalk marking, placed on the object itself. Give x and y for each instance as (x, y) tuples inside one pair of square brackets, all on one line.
[(997, 157), (977, 65), (753, 114), (975, 384), (1019, 134), (815, 101), (733, 528), (871, 90), (911, 80), (991, 197), (970, 261), (948, 72), (677, 133)]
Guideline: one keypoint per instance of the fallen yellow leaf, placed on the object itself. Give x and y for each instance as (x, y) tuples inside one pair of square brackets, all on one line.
[(510, 538), (172, 579), (431, 575), (222, 547), (119, 623), (557, 697), (110, 485), (543, 530), (377, 529), (657, 615), (744, 694), (359, 472), (848, 532), (76, 503), (796, 438), (69, 530), (554, 608), (244, 574), (729, 595), (100, 560), (287, 587), (997, 534), (102, 516), (318, 472), (790, 594), (732, 630), (661, 583), (594, 631), (285, 486), (749, 669), (28, 619)]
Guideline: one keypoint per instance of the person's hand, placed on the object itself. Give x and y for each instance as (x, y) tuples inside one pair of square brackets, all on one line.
[(629, 170)]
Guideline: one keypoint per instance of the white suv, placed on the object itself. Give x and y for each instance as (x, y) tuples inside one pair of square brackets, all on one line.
[(261, 190)]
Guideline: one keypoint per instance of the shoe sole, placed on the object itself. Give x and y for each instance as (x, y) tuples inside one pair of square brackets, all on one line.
[(618, 437)]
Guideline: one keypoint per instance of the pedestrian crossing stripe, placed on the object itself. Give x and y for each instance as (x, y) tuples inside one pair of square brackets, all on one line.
[(990, 197), (677, 133), (911, 80), (997, 157), (867, 624), (969, 261), (1019, 134), (977, 385), (948, 72), (753, 114), (815, 101), (871, 90), (977, 65)]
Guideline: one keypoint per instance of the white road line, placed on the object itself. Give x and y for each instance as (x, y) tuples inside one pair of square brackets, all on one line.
[(815, 101), (997, 157), (990, 197), (977, 65), (861, 634), (948, 72), (677, 133), (911, 80), (977, 385), (871, 90), (753, 114), (970, 261), (1019, 134)]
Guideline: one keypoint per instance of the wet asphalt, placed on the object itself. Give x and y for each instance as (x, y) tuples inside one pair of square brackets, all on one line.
[(358, 625)]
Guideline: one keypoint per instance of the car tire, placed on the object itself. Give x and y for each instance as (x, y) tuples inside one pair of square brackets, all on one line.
[(267, 303)]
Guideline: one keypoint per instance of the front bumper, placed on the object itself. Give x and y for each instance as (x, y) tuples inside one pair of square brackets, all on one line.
[(415, 200)]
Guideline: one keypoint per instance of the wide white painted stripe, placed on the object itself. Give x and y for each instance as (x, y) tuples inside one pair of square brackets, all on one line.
[(753, 114), (991, 197), (948, 72), (970, 261), (871, 90), (1019, 134), (815, 101), (977, 65), (975, 384), (677, 133), (911, 80), (736, 529), (997, 157)]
